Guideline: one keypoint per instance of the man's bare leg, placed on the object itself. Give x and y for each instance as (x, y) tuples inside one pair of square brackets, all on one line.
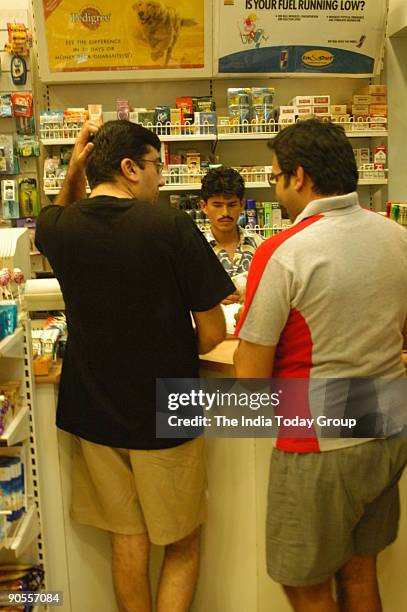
[(315, 598), (357, 587), (130, 567), (179, 574)]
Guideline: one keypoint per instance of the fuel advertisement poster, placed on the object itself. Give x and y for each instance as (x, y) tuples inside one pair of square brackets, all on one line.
[(322, 37)]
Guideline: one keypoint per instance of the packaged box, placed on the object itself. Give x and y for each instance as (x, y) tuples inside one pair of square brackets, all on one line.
[(203, 104), (378, 123), (224, 126), (185, 103), (241, 96), (378, 100), (95, 113), (378, 110), (287, 111), (321, 110), (205, 122), (304, 111), (380, 154), (361, 99), (338, 109), (28, 197), (193, 160), (122, 109), (146, 118), (364, 155), (301, 101), (360, 109), (162, 115), (175, 159), (287, 120), (9, 196), (165, 154), (373, 90), (263, 96), (321, 100), (176, 120)]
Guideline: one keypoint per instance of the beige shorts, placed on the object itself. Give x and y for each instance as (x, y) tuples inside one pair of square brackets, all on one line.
[(158, 492)]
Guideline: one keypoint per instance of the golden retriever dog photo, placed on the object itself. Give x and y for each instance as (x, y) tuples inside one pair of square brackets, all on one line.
[(160, 27)]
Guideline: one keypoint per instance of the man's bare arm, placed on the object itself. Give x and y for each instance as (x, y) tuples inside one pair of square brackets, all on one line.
[(74, 185), (210, 328), (254, 360)]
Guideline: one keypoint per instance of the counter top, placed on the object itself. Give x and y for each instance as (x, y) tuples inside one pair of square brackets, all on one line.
[(53, 377), (220, 359)]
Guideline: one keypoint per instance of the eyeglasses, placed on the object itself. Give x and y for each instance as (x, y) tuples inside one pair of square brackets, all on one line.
[(158, 164), (272, 178)]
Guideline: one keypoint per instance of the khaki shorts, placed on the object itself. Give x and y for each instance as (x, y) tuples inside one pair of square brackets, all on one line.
[(324, 508), (158, 492)]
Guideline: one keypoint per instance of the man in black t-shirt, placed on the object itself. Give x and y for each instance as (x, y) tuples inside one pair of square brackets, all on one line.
[(131, 273)]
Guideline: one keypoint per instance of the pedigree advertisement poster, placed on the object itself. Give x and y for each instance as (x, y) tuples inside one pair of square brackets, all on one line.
[(322, 37), (101, 35)]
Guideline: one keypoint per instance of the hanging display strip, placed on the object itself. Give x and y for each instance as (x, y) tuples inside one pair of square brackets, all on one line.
[(123, 41), (281, 37)]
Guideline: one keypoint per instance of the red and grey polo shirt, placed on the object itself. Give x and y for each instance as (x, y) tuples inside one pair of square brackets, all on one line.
[(330, 293)]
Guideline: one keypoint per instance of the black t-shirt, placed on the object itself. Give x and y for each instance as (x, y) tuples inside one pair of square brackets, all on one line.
[(130, 274)]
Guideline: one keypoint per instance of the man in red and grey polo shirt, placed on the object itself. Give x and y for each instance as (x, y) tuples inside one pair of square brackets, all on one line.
[(314, 294)]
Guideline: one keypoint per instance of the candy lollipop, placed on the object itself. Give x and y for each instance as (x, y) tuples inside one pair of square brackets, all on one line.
[(5, 278), (18, 278)]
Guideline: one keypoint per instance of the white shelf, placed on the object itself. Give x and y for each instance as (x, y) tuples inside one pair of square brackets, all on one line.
[(259, 185), (164, 138), (182, 187), (269, 135), (18, 430), (25, 532), (57, 141), (372, 181), (220, 136), (56, 190), (251, 136), (186, 137), (367, 134), (12, 346)]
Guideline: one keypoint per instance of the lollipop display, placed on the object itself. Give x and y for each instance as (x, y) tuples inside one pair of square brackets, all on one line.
[(5, 278), (18, 277)]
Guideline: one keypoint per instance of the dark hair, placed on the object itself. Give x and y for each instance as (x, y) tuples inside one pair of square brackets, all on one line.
[(323, 150), (222, 180), (114, 141)]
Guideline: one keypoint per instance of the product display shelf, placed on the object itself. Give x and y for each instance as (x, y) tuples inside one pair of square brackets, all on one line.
[(367, 134), (231, 133), (22, 539), (11, 346), (26, 530), (187, 137), (249, 185), (18, 429), (56, 190), (57, 141), (373, 181)]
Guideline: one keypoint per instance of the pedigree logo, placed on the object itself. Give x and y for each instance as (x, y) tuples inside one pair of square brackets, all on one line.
[(317, 58), (90, 17)]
